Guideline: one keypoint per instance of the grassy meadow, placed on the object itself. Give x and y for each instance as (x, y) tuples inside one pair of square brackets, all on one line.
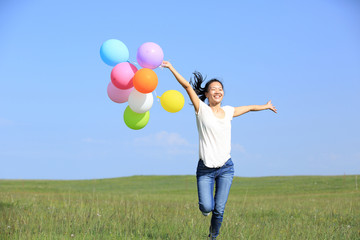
[(165, 207)]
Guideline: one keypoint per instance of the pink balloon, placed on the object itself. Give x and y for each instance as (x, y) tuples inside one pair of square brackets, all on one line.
[(118, 95), (122, 75), (150, 55)]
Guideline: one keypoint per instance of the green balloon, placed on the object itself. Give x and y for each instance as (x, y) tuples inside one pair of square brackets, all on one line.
[(135, 120)]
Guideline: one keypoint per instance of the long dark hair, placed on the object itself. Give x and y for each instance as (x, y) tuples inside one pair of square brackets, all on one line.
[(198, 81)]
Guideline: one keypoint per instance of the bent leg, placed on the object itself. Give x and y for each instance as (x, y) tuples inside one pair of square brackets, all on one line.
[(205, 186)]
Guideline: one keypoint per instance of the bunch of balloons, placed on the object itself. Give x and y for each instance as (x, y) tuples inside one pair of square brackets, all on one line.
[(128, 84)]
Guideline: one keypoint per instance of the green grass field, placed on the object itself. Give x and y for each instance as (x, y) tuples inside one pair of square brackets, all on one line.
[(165, 207)]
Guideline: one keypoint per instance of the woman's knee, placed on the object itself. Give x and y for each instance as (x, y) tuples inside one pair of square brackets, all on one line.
[(219, 211), (206, 207)]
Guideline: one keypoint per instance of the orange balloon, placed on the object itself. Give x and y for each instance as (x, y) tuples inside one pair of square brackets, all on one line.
[(145, 80)]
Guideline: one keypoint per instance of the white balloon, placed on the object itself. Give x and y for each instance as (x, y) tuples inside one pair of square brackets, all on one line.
[(140, 102)]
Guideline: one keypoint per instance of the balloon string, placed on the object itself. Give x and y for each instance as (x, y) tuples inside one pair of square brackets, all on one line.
[(135, 63), (158, 98), (162, 67)]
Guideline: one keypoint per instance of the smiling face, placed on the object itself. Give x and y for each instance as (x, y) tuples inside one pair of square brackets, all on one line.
[(215, 93)]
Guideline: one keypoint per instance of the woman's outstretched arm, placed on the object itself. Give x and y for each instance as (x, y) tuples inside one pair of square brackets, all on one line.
[(244, 109), (186, 85)]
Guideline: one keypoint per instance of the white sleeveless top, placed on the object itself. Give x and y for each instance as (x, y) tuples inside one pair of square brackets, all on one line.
[(214, 135)]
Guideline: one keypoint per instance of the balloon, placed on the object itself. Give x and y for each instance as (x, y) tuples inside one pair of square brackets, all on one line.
[(122, 75), (172, 101), (140, 102), (114, 51), (150, 55), (118, 95), (135, 120), (145, 80)]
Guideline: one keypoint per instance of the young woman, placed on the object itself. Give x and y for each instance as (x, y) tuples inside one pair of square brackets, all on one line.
[(215, 167)]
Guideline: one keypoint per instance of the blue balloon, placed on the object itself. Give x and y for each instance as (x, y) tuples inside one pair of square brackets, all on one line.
[(114, 51)]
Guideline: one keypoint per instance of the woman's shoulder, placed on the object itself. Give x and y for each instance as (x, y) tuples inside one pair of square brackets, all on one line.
[(203, 105), (227, 107), (229, 110), (202, 108)]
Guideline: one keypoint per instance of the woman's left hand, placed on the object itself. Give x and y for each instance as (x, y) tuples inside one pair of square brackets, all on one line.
[(271, 107)]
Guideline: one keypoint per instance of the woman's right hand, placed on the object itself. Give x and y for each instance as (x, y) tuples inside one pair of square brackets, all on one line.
[(166, 64)]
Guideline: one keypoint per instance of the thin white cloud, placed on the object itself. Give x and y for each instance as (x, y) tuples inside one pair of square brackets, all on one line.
[(162, 139), (5, 122), (334, 157), (93, 140), (238, 147)]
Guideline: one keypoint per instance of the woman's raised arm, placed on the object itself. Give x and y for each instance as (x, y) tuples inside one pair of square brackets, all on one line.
[(186, 85)]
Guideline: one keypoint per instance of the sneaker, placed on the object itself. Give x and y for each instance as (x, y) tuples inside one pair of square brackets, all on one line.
[(211, 237), (205, 214)]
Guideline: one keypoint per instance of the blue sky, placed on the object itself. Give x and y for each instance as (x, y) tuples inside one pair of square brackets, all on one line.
[(56, 121)]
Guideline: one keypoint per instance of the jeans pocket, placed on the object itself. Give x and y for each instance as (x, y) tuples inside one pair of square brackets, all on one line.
[(229, 167), (229, 163)]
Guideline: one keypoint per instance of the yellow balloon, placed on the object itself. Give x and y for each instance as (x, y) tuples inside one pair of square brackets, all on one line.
[(172, 101)]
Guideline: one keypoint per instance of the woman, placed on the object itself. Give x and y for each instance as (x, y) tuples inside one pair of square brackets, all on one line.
[(214, 126)]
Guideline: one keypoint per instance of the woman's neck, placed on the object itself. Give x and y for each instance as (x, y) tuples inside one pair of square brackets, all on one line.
[(215, 107)]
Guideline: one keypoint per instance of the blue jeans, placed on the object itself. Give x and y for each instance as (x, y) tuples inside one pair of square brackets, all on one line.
[(206, 179)]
